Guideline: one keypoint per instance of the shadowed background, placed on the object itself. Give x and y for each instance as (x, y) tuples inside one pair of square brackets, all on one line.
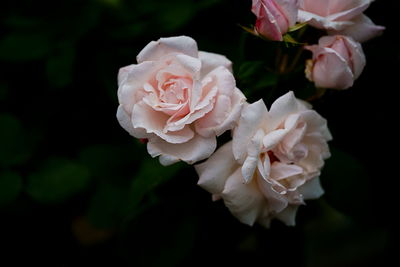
[(77, 190)]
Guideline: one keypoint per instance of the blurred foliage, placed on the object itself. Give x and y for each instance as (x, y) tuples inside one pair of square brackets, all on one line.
[(74, 185)]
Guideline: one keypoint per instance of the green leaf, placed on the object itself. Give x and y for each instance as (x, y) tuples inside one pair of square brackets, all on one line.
[(59, 67), (298, 26), (105, 205), (57, 180), (357, 243), (342, 176), (176, 16), (10, 187), (110, 160), (24, 47), (150, 175), (288, 39), (15, 146), (248, 69)]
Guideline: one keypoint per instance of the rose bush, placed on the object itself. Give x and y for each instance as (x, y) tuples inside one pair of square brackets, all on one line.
[(179, 99), (272, 164)]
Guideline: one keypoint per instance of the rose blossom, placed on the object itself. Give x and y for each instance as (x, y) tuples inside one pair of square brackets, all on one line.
[(274, 17), (272, 164), (339, 17), (337, 61), (179, 99)]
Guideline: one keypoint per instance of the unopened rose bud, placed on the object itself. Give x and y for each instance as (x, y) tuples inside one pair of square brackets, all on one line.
[(274, 17), (337, 62)]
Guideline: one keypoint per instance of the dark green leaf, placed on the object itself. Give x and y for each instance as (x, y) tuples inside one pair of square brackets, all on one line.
[(150, 175), (175, 16), (249, 69), (106, 160), (57, 180), (59, 67), (105, 205), (24, 46), (357, 243), (344, 176), (10, 187), (15, 147), (298, 26)]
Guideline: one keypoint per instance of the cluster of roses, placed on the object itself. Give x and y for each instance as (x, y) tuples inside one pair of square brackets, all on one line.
[(180, 100), (338, 59)]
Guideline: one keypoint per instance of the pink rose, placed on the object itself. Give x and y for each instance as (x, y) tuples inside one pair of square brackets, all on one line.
[(339, 17), (272, 164), (274, 17), (179, 99), (337, 61)]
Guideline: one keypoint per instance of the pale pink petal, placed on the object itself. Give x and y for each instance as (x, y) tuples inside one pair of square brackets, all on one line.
[(153, 121), (196, 149), (210, 61), (311, 189), (291, 173), (357, 57), (273, 138), (350, 13), (190, 64), (290, 9), (331, 70), (288, 215), (281, 109), (132, 81), (362, 30), (276, 201), (125, 121), (316, 123), (237, 102), (209, 124), (321, 22), (267, 25), (227, 107), (244, 201), (253, 155), (123, 73), (157, 49), (214, 172), (251, 119)]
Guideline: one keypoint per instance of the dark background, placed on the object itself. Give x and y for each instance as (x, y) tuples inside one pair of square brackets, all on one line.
[(77, 190)]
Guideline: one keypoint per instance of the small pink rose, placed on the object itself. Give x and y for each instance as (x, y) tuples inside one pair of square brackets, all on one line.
[(342, 17), (179, 99), (272, 164), (337, 61), (274, 17)]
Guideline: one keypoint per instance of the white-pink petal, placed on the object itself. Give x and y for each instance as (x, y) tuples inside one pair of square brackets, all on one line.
[(244, 201), (157, 49), (251, 119), (196, 149), (211, 61), (214, 172)]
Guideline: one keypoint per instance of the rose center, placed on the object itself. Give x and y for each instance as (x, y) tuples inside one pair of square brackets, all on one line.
[(175, 90)]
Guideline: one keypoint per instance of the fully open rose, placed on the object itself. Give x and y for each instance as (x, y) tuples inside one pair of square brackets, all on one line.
[(179, 99), (272, 164)]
